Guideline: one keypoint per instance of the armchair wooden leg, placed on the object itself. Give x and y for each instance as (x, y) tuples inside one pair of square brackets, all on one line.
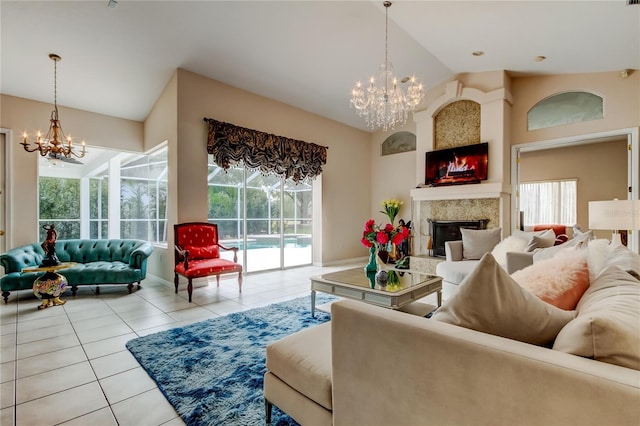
[(175, 282), (240, 282), (218, 280), (190, 289)]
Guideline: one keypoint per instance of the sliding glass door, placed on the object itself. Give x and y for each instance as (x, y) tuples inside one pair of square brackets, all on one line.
[(267, 217)]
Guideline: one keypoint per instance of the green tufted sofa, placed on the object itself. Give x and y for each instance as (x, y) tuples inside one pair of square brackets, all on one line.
[(98, 262)]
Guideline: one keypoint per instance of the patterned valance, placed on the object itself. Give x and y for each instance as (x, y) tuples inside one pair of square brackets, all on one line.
[(268, 153)]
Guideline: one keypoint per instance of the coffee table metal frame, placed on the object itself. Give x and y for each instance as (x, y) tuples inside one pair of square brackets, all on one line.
[(354, 284)]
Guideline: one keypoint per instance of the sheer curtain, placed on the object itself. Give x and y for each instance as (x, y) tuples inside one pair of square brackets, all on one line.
[(550, 202)]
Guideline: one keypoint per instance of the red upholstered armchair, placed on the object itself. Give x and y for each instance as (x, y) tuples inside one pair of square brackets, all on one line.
[(197, 254)]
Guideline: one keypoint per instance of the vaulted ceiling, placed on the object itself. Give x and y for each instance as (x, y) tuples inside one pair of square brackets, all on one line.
[(309, 54)]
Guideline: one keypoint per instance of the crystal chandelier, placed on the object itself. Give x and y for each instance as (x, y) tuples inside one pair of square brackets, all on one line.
[(54, 143), (385, 104)]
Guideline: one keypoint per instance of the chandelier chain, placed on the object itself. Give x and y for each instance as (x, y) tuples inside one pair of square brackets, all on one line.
[(384, 104), (54, 144), (55, 88)]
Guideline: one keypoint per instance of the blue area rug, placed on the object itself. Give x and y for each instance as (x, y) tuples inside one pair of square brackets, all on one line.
[(212, 371)]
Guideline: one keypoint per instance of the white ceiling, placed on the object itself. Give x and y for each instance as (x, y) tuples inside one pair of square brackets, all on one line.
[(309, 54)]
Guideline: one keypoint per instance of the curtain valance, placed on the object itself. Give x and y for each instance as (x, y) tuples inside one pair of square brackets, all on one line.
[(268, 153)]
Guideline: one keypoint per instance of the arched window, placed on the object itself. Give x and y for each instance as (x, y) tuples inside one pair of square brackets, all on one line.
[(565, 108)]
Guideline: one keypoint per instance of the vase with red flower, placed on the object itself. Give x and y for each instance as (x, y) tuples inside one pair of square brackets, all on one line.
[(378, 239)]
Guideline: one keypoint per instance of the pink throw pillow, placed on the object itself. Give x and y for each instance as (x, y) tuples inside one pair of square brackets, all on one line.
[(560, 281)]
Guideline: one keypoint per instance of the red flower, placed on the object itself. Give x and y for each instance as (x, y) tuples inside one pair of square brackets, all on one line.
[(398, 238), (368, 226), (382, 237)]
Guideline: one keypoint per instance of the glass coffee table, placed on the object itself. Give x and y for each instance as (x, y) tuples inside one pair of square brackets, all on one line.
[(403, 288)]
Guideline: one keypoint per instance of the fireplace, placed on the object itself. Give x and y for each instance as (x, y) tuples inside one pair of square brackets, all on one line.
[(449, 230)]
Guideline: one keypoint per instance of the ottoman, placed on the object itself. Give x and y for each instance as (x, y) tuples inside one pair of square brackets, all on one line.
[(298, 377)]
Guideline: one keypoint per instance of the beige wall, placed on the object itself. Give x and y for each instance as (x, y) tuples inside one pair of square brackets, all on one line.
[(600, 168), (621, 103), (161, 126), (392, 176), (346, 193), (19, 115)]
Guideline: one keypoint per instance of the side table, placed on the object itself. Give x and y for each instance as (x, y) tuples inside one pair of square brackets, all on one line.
[(51, 285)]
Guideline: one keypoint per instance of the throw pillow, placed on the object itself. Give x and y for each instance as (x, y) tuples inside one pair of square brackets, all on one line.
[(203, 252), (509, 244), (490, 301), (477, 242), (603, 254), (607, 327), (560, 281), (550, 252), (544, 240)]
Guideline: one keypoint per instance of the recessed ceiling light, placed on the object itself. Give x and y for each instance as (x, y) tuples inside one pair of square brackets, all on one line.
[(477, 53), (539, 58)]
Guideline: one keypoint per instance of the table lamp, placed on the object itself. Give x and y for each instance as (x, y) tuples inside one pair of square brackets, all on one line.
[(615, 215)]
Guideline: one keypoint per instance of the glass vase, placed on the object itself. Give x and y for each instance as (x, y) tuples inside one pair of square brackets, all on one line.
[(372, 265)]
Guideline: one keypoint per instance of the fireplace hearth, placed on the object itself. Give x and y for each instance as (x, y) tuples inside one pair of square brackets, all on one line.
[(449, 230)]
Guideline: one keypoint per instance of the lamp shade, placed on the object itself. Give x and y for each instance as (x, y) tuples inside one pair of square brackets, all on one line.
[(614, 214)]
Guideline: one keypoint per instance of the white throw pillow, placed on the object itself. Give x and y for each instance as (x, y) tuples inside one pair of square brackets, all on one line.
[(477, 242), (509, 244), (490, 301), (602, 254)]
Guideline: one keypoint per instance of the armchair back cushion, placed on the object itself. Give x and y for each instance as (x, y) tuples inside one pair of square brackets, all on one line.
[(200, 239)]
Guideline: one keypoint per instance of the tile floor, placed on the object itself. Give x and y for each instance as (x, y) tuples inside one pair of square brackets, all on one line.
[(69, 365)]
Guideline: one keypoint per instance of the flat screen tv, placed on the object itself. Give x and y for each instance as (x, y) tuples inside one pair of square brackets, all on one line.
[(456, 166)]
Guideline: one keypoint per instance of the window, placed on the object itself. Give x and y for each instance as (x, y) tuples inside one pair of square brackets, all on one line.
[(75, 197), (269, 216), (143, 197), (59, 204), (99, 207), (550, 202)]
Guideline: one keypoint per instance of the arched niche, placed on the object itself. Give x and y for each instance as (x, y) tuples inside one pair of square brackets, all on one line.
[(565, 108)]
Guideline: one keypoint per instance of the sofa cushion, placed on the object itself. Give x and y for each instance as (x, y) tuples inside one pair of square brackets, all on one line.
[(560, 281), (490, 301), (607, 327), (477, 242), (303, 361), (455, 272)]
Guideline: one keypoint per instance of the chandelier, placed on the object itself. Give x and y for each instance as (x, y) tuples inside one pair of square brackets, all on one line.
[(54, 143), (385, 104)]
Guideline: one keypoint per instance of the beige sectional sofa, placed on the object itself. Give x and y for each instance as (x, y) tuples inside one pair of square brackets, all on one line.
[(373, 366)]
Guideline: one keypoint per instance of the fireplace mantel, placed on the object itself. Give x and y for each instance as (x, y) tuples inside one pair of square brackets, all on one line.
[(458, 192)]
